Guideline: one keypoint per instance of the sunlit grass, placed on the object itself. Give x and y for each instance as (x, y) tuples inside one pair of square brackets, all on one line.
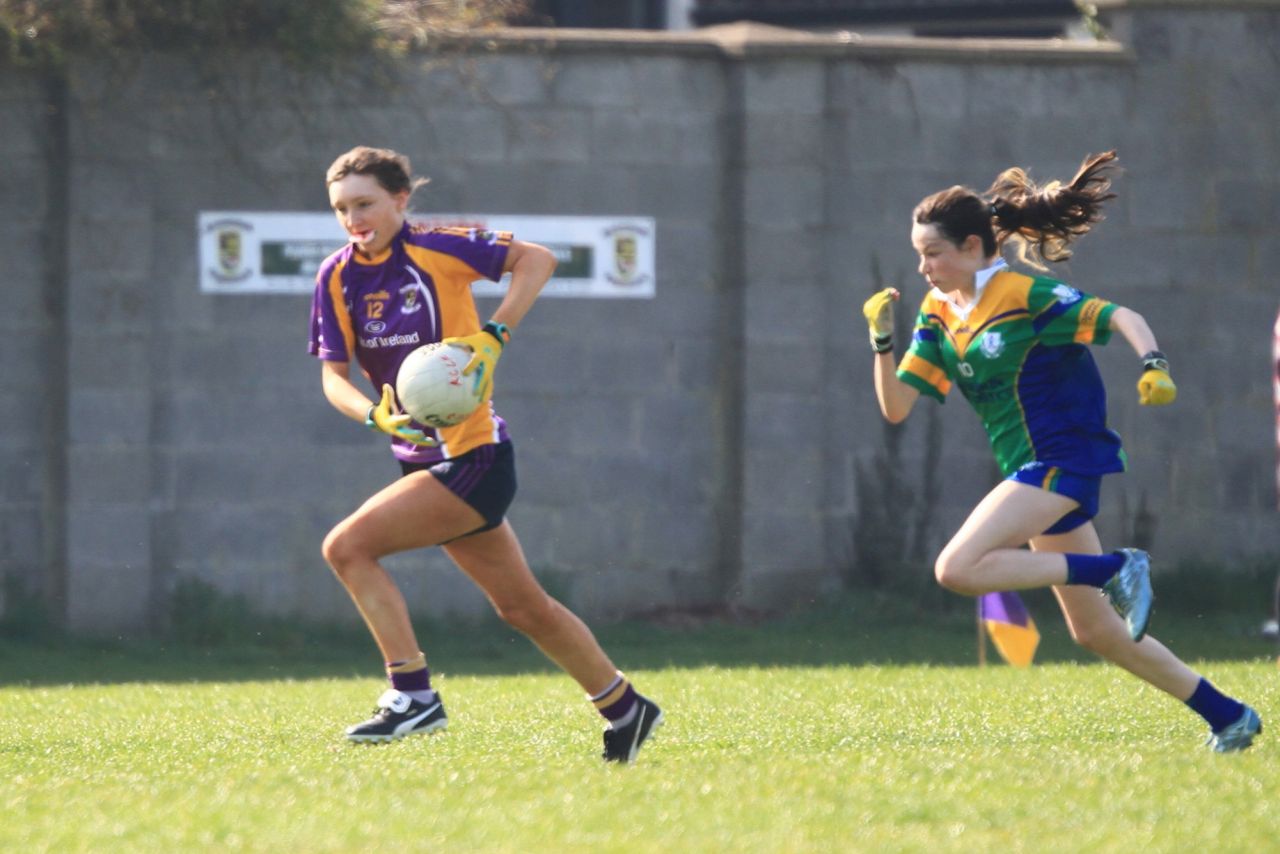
[(1065, 756)]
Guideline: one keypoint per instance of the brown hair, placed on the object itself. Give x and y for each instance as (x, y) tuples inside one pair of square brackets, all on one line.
[(389, 168), (1042, 220)]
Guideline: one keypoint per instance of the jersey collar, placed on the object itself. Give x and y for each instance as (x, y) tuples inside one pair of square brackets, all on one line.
[(980, 280)]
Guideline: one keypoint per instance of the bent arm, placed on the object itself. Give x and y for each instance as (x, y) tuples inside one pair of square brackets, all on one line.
[(530, 266), (1135, 330), (896, 397), (341, 392)]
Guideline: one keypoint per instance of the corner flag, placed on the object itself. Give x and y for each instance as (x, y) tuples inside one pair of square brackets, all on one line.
[(1009, 626)]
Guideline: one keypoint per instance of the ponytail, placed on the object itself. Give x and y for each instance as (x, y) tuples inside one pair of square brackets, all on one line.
[(1044, 220), (1041, 220)]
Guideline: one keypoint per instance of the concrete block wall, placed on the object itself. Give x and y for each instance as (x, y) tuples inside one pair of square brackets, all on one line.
[(719, 443), (30, 335)]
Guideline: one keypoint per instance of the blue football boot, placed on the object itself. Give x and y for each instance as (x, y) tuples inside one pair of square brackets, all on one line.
[(1130, 591), (1237, 736)]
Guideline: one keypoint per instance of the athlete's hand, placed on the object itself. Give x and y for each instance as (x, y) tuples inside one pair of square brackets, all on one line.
[(486, 348), (879, 314), (1155, 386), (384, 418)]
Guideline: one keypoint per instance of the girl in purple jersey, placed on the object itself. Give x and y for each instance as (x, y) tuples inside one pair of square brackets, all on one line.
[(977, 313), (457, 482)]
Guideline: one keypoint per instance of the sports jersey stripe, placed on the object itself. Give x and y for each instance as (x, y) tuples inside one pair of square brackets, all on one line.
[(1013, 312), (448, 280), (430, 298), (924, 376), (1009, 457), (475, 470), (446, 271), (481, 428), (1091, 315), (941, 324), (340, 312), (1036, 391), (501, 238), (384, 298), (1054, 310)]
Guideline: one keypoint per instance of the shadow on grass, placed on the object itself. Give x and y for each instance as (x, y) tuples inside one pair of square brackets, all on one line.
[(854, 630)]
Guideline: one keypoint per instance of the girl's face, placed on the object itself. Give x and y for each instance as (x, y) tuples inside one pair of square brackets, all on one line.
[(944, 265), (371, 216)]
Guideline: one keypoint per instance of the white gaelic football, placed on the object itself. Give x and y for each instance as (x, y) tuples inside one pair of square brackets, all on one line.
[(431, 386)]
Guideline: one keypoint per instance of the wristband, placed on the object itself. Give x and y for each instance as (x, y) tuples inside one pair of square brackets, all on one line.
[(498, 330), (368, 418), (1155, 361), (882, 345)]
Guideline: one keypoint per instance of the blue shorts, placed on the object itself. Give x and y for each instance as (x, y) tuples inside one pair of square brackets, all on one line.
[(484, 477), (1082, 488)]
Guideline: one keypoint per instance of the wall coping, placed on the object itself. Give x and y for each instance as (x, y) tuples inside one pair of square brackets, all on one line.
[(1187, 5), (749, 40)]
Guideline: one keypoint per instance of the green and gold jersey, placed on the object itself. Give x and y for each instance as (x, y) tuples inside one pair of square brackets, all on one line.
[(1018, 355)]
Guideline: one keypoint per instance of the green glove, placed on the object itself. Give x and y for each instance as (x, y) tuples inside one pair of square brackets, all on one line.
[(879, 314), (383, 418), (486, 348), (1155, 386)]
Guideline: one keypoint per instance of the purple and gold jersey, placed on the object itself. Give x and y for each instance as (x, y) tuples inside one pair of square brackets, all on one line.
[(418, 291), (1018, 355)]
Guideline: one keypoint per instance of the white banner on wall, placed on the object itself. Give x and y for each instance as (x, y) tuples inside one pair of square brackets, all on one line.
[(251, 252)]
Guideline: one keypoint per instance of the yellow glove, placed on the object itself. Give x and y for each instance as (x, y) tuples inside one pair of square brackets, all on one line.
[(1155, 386), (383, 418), (486, 348), (879, 314)]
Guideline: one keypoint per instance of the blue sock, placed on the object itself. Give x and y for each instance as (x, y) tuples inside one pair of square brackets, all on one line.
[(1093, 570), (1216, 708)]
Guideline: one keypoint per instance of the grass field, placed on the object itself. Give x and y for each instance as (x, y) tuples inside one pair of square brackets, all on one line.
[(857, 728)]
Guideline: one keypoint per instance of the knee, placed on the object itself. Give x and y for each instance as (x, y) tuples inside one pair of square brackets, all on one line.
[(955, 573), (529, 616), (341, 550)]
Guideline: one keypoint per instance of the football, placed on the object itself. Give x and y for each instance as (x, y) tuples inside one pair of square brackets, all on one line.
[(431, 386)]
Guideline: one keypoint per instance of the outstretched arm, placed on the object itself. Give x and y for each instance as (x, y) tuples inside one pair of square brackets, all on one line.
[(1135, 330), (1155, 386)]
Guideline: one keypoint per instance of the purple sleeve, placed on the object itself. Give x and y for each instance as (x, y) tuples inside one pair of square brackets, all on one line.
[(327, 340), (481, 250)]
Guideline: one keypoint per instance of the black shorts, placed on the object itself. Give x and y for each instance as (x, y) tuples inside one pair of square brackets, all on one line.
[(484, 477)]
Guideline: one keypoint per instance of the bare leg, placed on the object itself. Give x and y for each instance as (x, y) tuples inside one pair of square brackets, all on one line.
[(494, 561), (1096, 626), (412, 512), (985, 555)]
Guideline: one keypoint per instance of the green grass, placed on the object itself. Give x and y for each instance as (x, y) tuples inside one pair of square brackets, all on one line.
[(852, 728)]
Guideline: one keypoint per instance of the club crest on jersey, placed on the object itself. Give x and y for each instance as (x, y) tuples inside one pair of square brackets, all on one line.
[(1066, 294), (413, 295), (409, 302), (992, 345)]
